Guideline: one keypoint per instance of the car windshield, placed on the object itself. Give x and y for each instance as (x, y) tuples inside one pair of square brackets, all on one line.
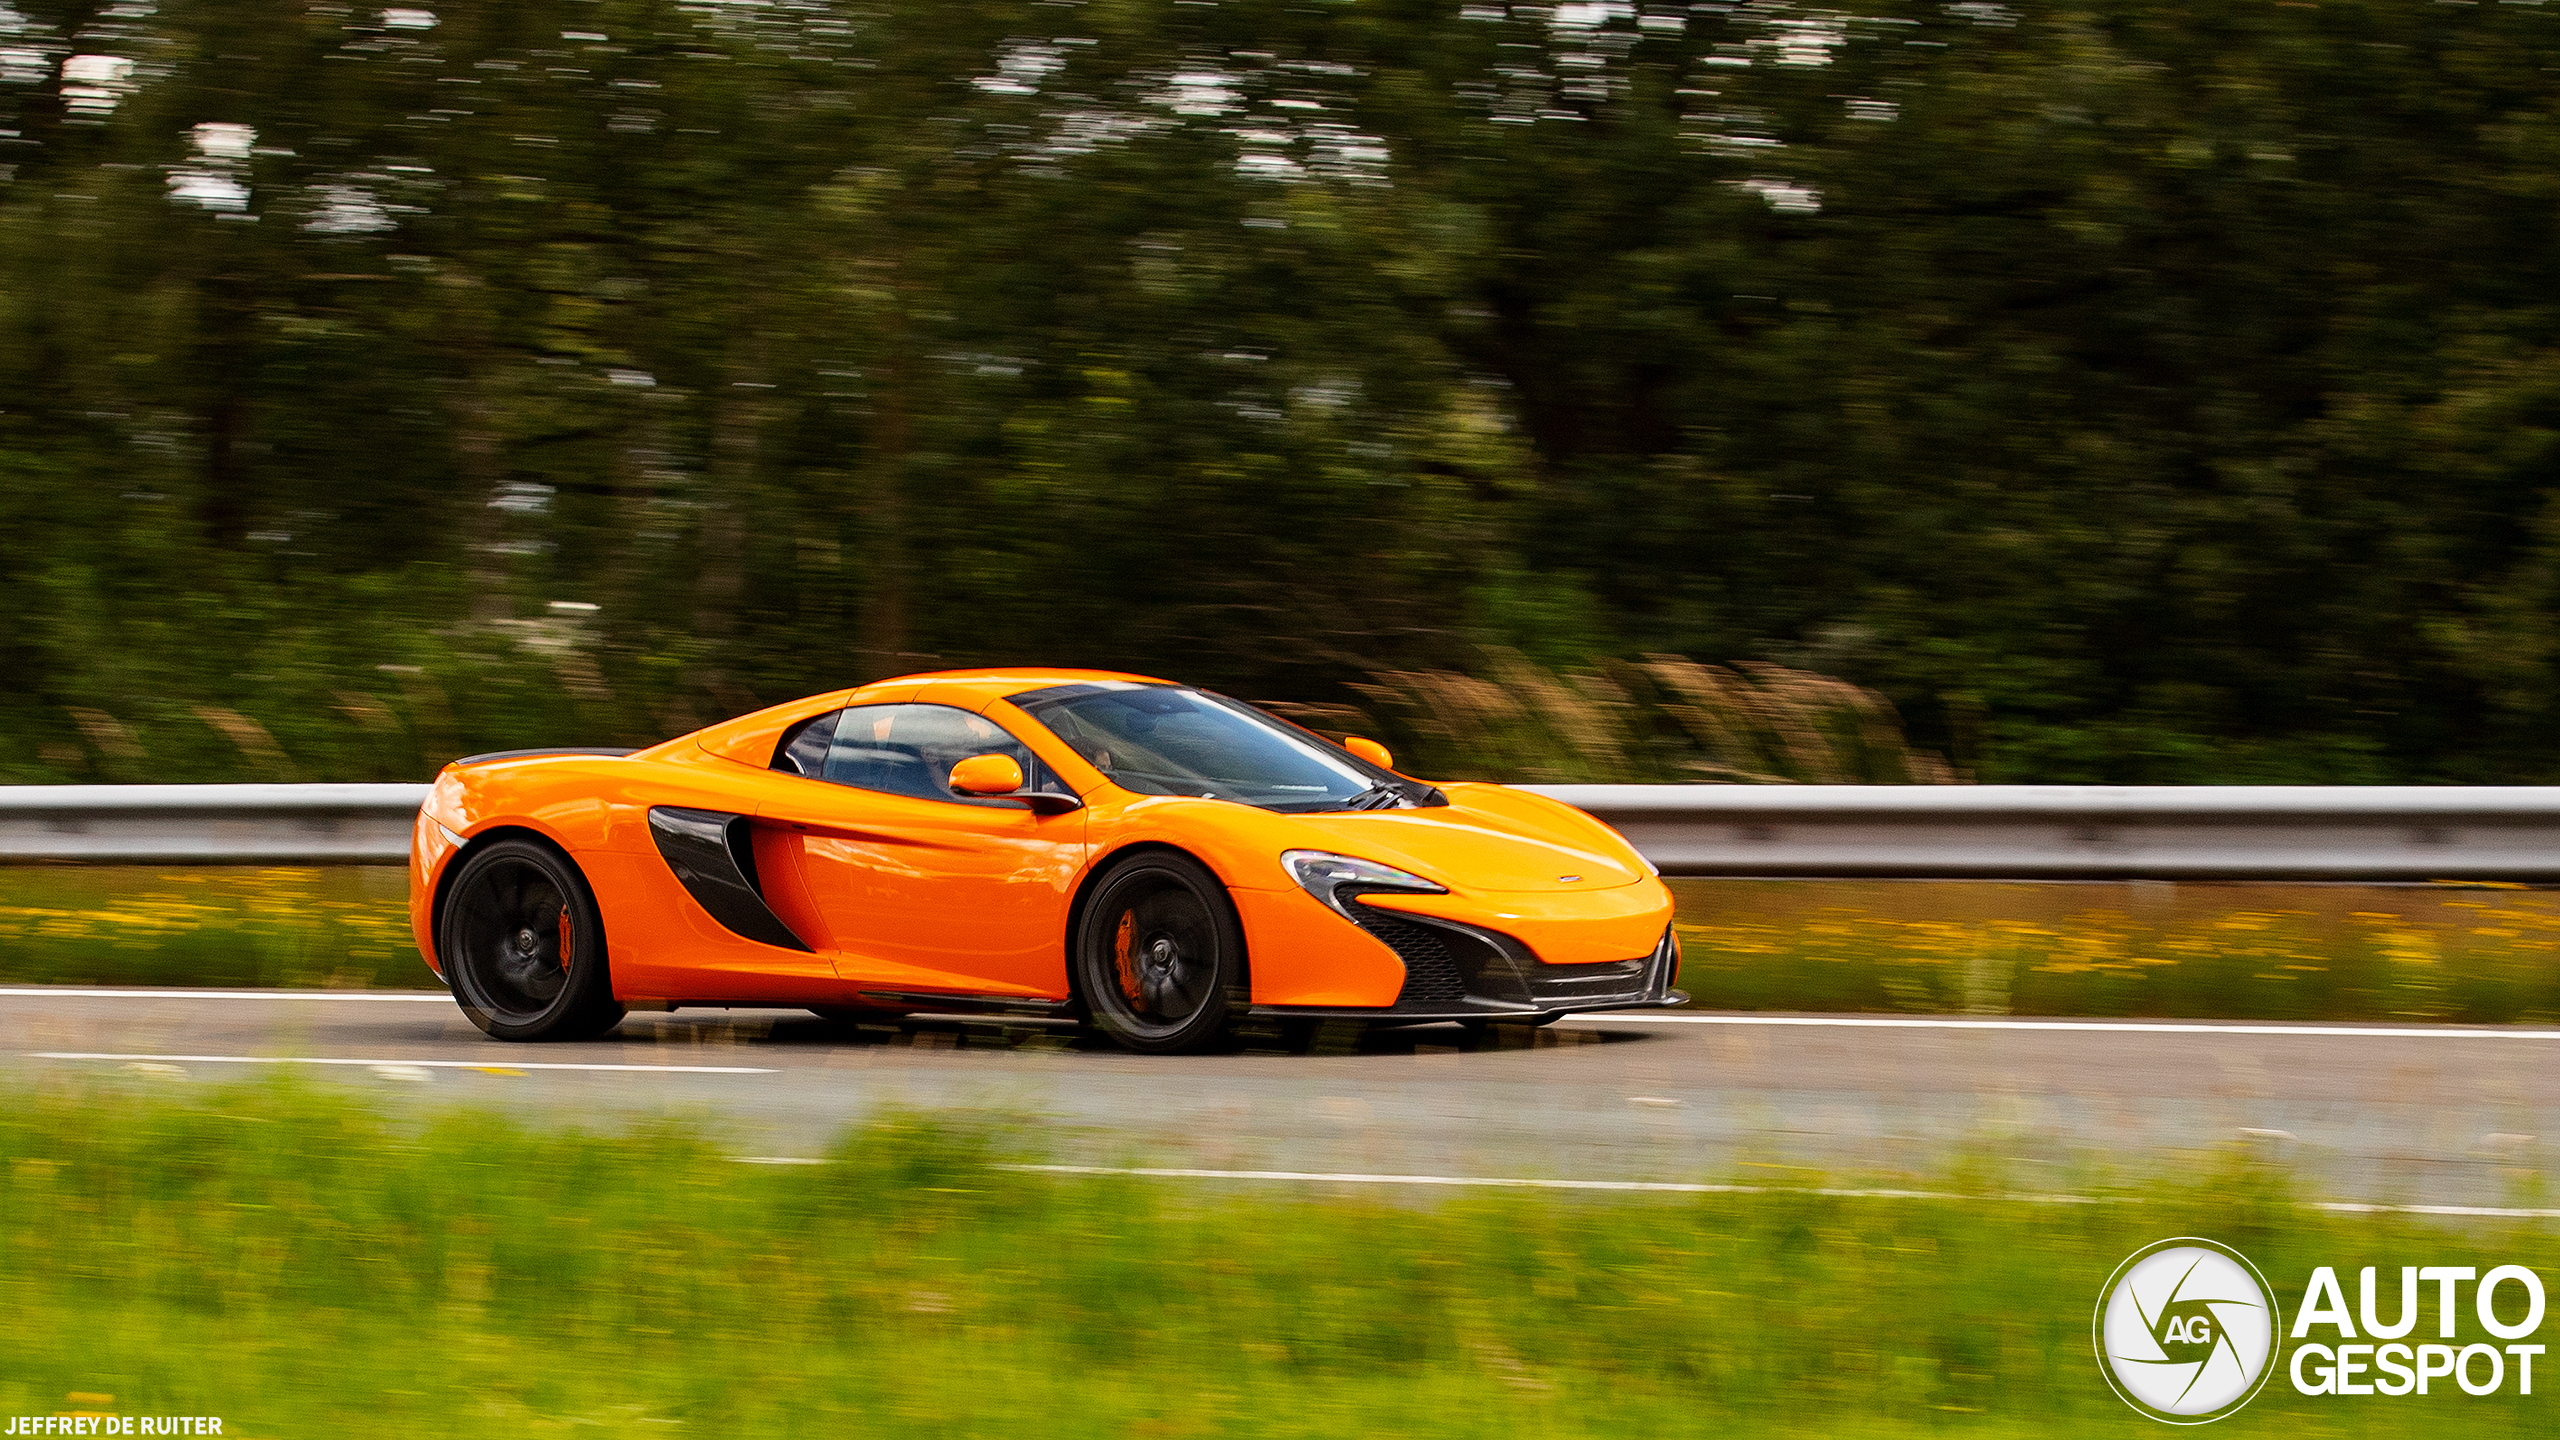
[(1166, 740)]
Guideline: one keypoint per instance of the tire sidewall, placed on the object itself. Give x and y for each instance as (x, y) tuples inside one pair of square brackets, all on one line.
[(584, 1006), (1098, 990)]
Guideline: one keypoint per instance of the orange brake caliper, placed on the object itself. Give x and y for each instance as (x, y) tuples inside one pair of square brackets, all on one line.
[(1123, 944), (564, 939)]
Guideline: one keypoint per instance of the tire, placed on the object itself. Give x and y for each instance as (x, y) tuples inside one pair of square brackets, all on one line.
[(1159, 956), (523, 945)]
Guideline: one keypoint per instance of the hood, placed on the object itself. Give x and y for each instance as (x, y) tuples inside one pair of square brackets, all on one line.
[(1486, 839)]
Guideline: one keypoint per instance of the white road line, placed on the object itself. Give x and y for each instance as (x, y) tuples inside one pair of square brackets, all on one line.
[(53, 991), (2347, 1207), (1515, 1183), (1843, 1022), (401, 1060), (2340, 1207), (2136, 1027)]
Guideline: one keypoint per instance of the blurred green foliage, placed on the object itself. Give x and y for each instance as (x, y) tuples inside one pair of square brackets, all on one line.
[(299, 1265), (2135, 392)]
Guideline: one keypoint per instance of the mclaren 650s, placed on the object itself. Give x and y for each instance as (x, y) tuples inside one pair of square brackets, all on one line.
[(1157, 861)]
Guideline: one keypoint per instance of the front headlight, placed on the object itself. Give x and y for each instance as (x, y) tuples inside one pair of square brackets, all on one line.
[(1334, 879)]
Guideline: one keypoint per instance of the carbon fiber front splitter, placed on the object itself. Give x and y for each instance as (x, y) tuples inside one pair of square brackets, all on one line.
[(1469, 1009)]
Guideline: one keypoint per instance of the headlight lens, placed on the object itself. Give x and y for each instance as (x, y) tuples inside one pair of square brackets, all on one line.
[(1334, 879)]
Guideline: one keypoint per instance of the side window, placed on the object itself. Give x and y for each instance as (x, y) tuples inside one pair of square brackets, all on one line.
[(803, 750), (910, 749)]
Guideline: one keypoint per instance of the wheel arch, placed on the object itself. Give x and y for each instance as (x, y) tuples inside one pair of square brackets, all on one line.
[(1100, 869), (453, 866)]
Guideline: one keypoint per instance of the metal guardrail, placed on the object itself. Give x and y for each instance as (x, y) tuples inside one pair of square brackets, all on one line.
[(208, 824), (2088, 832), (2021, 832)]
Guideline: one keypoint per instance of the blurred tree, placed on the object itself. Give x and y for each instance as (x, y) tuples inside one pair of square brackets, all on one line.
[(2126, 392)]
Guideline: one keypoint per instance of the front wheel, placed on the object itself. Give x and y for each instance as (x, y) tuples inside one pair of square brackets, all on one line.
[(523, 945), (1159, 956)]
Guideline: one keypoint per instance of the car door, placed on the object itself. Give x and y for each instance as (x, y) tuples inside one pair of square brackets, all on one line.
[(916, 887)]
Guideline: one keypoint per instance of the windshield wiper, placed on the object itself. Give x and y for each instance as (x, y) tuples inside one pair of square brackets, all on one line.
[(1376, 797)]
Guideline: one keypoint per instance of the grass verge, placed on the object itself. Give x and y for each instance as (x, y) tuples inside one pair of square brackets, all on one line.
[(298, 927), (299, 1265), (2461, 953)]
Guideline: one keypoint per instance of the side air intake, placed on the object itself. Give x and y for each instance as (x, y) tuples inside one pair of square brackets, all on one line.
[(714, 854)]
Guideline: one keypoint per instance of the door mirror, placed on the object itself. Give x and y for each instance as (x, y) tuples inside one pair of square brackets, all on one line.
[(986, 775), (1370, 750)]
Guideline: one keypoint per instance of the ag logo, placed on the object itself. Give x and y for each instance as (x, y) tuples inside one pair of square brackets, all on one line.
[(2186, 1331)]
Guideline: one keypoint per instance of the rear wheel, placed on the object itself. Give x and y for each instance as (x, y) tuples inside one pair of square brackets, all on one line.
[(523, 945), (1160, 956)]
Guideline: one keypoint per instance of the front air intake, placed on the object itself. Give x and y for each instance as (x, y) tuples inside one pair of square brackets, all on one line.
[(1430, 971)]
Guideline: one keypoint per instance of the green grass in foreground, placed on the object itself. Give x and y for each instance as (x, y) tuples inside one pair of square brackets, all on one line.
[(301, 1266)]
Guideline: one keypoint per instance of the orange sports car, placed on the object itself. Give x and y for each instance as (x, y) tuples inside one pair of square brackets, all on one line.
[(1155, 860)]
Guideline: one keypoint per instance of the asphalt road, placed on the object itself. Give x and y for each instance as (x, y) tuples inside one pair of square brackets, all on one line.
[(2417, 1115)]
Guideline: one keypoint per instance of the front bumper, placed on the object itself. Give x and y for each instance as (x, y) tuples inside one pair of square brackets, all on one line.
[(1456, 971)]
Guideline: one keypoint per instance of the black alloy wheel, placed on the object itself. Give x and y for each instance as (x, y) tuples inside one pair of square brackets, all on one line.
[(1159, 956), (523, 946)]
